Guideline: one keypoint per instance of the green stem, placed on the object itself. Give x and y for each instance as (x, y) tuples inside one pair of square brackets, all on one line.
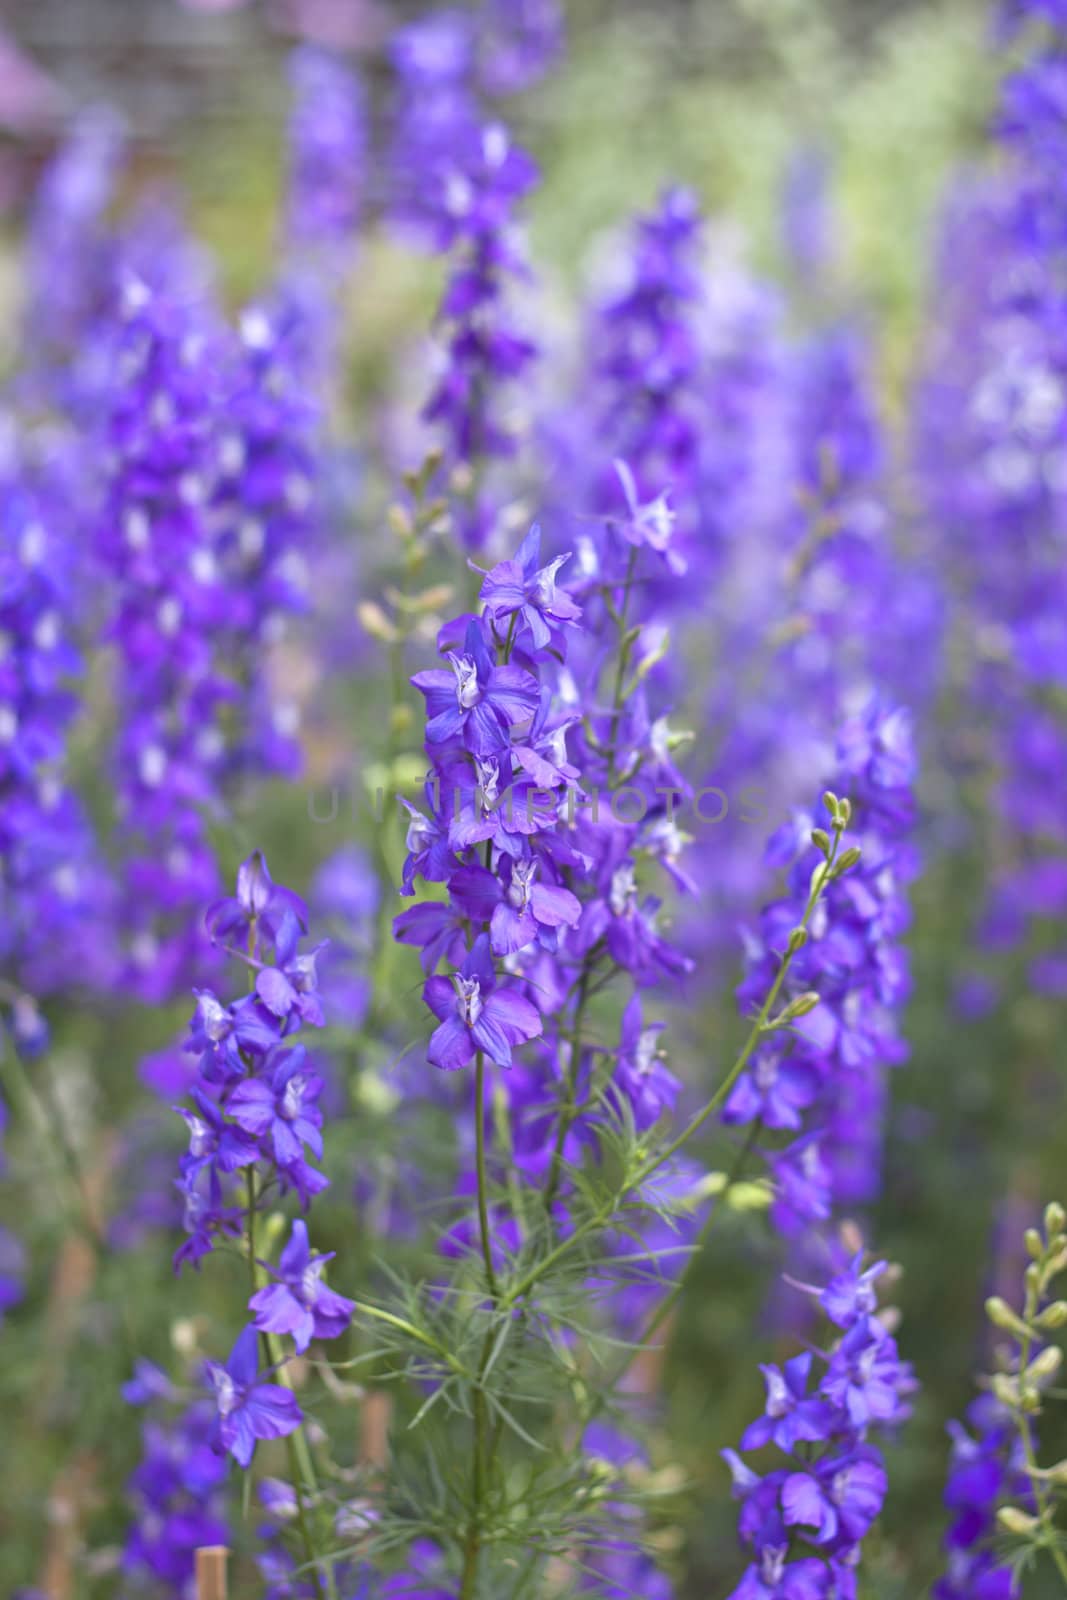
[(409, 1328), (568, 1109), (652, 1165), (1045, 1511), (301, 1467), (472, 1544), (620, 666), (483, 1198), (670, 1300), (45, 1118)]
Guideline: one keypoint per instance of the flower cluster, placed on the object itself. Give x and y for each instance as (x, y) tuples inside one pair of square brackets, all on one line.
[(984, 1471), (646, 364), (71, 258), (270, 515), (805, 1521), (995, 1486), (822, 1080), (177, 1489), (484, 355), (989, 428), (327, 138), (158, 544), (49, 871), (255, 1100), (254, 1127)]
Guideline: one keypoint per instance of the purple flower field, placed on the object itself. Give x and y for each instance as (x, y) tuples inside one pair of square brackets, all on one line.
[(533, 800)]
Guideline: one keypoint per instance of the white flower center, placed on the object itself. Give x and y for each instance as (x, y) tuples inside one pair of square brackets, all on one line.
[(468, 999), (467, 691)]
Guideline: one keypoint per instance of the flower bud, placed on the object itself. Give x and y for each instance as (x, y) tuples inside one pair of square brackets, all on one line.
[(1006, 1390), (374, 621), (797, 940), (846, 860), (1045, 1366), (1054, 1316), (800, 1006), (1055, 1219), (1035, 1245), (400, 524), (1012, 1520), (821, 840), (1001, 1315)]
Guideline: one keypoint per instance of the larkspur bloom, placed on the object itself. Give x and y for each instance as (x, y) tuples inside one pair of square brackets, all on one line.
[(484, 355), (986, 1466), (825, 1077), (249, 1405), (832, 1487), (255, 1099), (299, 1302), (475, 1014), (177, 1489)]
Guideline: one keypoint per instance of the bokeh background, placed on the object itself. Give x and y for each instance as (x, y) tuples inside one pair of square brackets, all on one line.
[(726, 96)]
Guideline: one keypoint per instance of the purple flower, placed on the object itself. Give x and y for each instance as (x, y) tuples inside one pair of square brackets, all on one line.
[(791, 1414), (839, 1500), (866, 1378), (520, 588), (279, 1108), (249, 1409), (641, 1074), (259, 906), (213, 1140), (326, 139), (300, 1303), (519, 906), (476, 1015), (476, 700), (774, 1577)]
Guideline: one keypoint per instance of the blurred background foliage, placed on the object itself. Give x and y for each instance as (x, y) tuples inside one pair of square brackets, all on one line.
[(722, 95)]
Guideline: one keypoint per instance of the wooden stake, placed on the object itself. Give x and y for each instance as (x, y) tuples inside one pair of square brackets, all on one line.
[(211, 1572)]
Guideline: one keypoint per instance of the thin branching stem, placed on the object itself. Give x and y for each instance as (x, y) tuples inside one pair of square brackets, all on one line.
[(301, 1467), (599, 1218)]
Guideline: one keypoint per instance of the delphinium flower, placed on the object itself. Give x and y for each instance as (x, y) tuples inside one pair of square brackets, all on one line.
[(436, 116), (158, 540), (550, 898), (804, 1522), (249, 1406), (256, 1098), (50, 871), (984, 1470), (821, 1082), (12, 1262), (645, 362), (989, 444), (255, 1131), (445, 64), (519, 41), (70, 256), (268, 518), (995, 1486), (483, 353), (327, 138), (806, 608), (322, 211), (177, 1489)]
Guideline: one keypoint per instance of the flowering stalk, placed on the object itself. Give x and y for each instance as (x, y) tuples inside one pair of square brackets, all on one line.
[(255, 1111), (1019, 1389), (805, 1521)]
